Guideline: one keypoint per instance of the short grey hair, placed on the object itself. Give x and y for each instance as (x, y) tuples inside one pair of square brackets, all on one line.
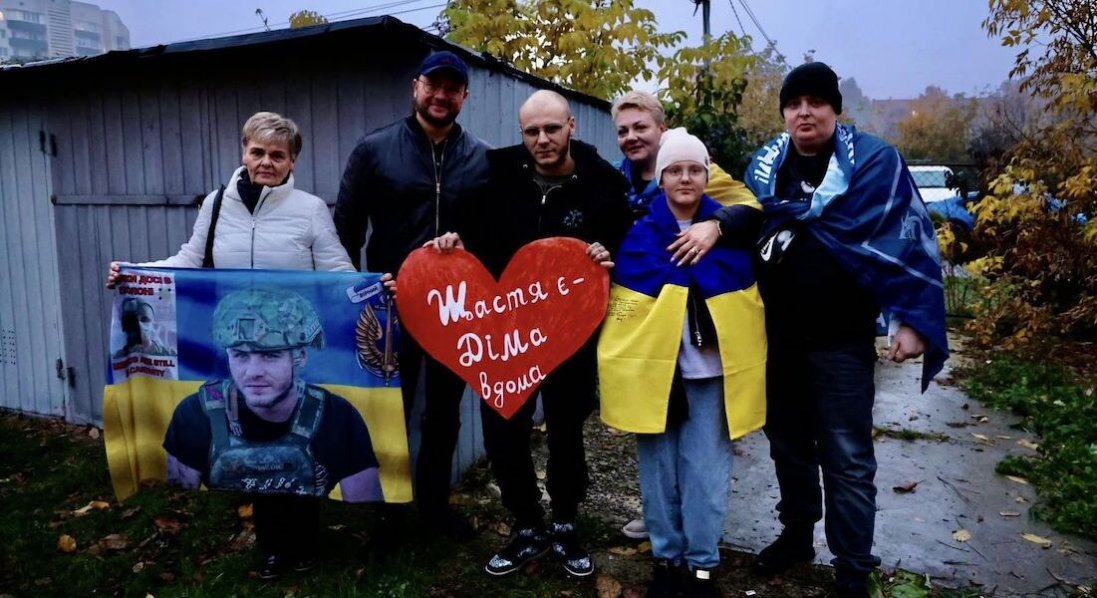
[(640, 100), (266, 127)]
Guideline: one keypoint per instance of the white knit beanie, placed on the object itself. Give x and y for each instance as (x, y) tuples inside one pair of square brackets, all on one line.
[(678, 145)]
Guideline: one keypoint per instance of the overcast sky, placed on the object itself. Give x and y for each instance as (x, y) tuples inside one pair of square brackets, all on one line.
[(893, 48)]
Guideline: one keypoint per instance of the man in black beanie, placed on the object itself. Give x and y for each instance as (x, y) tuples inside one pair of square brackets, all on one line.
[(846, 235)]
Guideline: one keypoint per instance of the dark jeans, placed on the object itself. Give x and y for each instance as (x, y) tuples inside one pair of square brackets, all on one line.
[(819, 416), (286, 525), (567, 397), (439, 427)]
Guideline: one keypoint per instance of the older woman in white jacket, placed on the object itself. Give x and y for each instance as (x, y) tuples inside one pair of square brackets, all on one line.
[(263, 221)]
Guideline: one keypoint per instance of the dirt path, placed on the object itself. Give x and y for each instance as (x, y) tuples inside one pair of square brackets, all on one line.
[(949, 445)]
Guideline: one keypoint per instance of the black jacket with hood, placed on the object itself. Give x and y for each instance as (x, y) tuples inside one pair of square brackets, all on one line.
[(592, 205)]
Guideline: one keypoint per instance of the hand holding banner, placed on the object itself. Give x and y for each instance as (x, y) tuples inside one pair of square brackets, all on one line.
[(503, 337)]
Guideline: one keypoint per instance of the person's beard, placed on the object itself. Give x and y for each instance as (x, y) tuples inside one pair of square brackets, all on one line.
[(423, 110)]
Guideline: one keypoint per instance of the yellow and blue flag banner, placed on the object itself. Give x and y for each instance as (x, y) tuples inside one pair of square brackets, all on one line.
[(642, 332), (256, 380)]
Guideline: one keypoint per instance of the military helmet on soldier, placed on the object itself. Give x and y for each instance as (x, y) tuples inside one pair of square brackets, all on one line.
[(266, 320)]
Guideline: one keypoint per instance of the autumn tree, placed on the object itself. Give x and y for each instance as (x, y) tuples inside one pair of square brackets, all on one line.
[(598, 47), (1041, 214), (306, 18), (937, 128), (759, 111)]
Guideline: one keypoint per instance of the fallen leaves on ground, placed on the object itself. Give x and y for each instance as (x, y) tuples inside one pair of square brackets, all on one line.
[(1014, 478), (622, 550), (1028, 444), (167, 525), (93, 505), (66, 543), (114, 542), (982, 438), (502, 529), (244, 511), (1009, 514), (961, 535), (1039, 540), (607, 587), (905, 488), (643, 547)]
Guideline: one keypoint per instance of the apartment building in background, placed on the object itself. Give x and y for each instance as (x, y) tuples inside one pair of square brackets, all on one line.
[(43, 29)]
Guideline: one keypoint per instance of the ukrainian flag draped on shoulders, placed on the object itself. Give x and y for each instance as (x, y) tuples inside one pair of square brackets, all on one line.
[(867, 212), (642, 332)]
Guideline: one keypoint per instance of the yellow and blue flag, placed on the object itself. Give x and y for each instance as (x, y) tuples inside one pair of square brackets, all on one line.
[(171, 336), (642, 332)]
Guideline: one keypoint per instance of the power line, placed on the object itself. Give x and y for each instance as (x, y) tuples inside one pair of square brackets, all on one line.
[(737, 19), (331, 17), (754, 19)]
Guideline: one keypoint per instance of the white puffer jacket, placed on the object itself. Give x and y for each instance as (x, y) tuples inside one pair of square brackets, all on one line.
[(290, 230)]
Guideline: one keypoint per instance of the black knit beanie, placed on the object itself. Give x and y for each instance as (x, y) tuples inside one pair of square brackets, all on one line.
[(812, 79)]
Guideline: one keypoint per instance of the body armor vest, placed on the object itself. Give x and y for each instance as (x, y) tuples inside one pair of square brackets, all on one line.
[(285, 465)]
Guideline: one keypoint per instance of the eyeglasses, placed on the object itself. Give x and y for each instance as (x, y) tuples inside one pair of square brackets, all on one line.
[(694, 171), (549, 129), (451, 90)]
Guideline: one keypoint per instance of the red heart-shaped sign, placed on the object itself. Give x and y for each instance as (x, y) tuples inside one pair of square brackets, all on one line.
[(503, 337)]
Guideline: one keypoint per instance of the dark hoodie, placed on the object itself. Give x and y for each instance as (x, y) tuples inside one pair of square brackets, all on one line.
[(592, 205)]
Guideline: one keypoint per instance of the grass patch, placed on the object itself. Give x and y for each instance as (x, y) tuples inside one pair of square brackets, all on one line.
[(197, 544), (1062, 409)]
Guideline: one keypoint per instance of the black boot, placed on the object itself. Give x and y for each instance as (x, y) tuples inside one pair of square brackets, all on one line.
[(701, 584), (851, 584), (792, 547), (666, 579)]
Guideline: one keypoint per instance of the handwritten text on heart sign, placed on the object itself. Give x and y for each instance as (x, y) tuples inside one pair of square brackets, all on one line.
[(473, 348)]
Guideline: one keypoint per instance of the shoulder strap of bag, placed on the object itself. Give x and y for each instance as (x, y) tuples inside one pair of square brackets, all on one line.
[(207, 260)]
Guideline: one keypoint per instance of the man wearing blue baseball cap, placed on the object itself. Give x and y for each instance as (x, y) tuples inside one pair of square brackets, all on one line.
[(404, 179)]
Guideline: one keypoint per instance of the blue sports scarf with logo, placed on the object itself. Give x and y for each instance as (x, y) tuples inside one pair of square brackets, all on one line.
[(868, 214)]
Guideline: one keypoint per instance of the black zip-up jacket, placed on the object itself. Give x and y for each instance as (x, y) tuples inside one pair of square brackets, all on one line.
[(393, 183), (591, 205)]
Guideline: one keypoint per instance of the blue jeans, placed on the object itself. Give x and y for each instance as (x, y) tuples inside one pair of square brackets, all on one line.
[(819, 416), (685, 473)]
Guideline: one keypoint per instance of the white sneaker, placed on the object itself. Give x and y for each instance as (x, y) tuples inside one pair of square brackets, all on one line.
[(635, 529)]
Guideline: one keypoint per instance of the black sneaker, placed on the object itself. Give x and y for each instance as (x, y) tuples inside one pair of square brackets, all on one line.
[(529, 543), (700, 584), (666, 579), (790, 548), (272, 567), (566, 547)]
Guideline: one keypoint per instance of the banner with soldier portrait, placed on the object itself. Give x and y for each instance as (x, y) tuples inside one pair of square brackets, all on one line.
[(258, 381)]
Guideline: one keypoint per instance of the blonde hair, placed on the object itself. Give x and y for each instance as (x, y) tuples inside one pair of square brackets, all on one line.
[(640, 100), (266, 127)]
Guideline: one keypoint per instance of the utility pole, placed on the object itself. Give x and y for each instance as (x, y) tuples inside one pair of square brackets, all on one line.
[(706, 9), (705, 78)]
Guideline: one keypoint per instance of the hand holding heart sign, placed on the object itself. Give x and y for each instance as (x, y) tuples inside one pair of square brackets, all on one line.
[(503, 337)]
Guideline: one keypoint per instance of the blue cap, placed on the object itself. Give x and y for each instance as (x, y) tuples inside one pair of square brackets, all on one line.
[(445, 60)]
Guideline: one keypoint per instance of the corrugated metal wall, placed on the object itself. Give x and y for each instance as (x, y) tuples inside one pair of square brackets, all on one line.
[(132, 161), (133, 156), (30, 318)]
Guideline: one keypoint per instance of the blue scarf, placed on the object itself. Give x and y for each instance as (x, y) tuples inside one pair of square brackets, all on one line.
[(638, 202), (869, 216)]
